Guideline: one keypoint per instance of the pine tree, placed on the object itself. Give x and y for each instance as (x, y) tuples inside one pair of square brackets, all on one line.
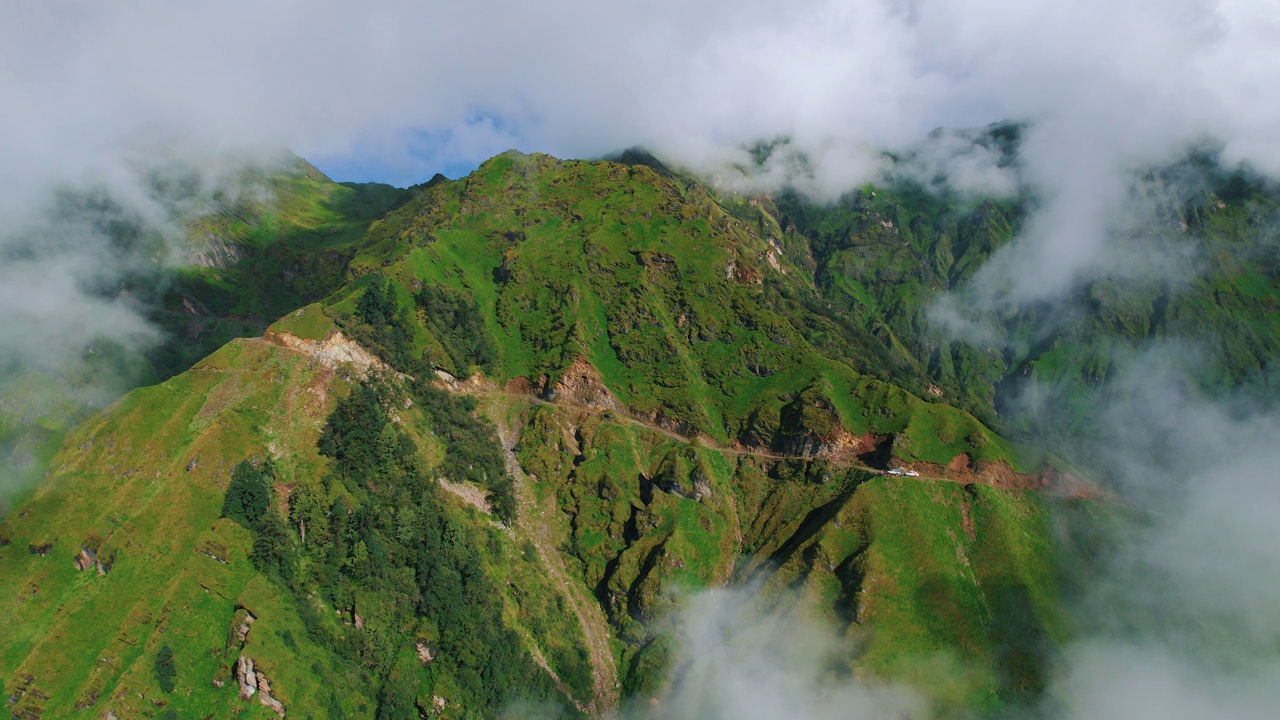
[(248, 496)]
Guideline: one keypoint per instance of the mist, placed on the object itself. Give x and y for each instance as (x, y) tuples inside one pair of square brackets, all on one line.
[(84, 265), (1182, 620), (1184, 614), (397, 91)]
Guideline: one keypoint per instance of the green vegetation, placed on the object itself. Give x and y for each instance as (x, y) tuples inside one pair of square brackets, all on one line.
[(1205, 276), (308, 323), (269, 241), (383, 547), (281, 241), (453, 319), (248, 495), (688, 312), (165, 671), (697, 391)]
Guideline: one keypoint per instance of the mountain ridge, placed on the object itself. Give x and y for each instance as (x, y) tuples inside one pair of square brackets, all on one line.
[(655, 388)]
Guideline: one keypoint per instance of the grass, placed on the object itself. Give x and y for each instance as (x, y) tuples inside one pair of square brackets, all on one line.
[(121, 484), (630, 270), (308, 323)]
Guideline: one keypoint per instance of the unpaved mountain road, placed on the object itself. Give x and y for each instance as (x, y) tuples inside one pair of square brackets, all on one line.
[(1071, 487)]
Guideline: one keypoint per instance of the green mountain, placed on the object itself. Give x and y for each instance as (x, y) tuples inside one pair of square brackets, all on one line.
[(1203, 278), (505, 423), (272, 239)]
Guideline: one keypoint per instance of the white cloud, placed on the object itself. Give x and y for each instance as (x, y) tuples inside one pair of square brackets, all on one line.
[(1108, 86)]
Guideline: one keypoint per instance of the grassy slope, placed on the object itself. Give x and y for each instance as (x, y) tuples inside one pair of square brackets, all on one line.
[(291, 229), (629, 269), (290, 232), (916, 573), (80, 640), (121, 484)]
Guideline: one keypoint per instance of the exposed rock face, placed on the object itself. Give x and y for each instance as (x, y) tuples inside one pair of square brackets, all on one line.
[(242, 631), (581, 385), (246, 677), (252, 681), (469, 493), (701, 485), (212, 251), (265, 697), (773, 254), (742, 273), (331, 352), (87, 558), (426, 653)]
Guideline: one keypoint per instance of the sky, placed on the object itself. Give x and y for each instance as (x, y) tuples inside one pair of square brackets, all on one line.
[(396, 91)]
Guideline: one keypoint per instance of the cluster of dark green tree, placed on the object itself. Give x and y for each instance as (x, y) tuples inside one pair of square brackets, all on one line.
[(165, 670), (249, 502), (366, 445), (454, 319), (375, 538), (387, 327)]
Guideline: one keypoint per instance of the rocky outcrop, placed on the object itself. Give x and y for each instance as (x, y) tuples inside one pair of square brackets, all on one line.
[(253, 681), (426, 653), (581, 385), (469, 494), (744, 274), (334, 350), (265, 697), (246, 623), (246, 677), (87, 558), (213, 251)]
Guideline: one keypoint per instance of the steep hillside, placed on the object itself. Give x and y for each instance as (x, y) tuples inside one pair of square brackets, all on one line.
[(279, 239), (137, 500), (272, 239), (1202, 274)]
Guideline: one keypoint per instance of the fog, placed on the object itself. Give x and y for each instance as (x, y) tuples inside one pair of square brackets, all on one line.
[(1185, 613)]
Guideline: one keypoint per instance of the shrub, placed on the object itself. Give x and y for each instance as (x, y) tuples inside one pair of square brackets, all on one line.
[(165, 670), (502, 498), (248, 496)]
